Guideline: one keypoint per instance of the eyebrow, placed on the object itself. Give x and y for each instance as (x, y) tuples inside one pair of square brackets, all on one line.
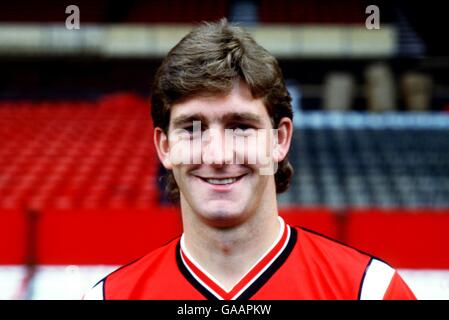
[(230, 117), (188, 119), (242, 116)]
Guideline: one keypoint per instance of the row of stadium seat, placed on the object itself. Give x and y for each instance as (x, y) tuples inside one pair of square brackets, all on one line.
[(404, 238), (178, 11), (78, 154), (363, 167), (309, 11), (99, 154)]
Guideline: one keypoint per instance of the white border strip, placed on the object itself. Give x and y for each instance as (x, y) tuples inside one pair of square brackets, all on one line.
[(376, 281), (96, 293)]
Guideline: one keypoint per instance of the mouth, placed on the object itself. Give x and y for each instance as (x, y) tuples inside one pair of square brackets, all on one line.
[(222, 181)]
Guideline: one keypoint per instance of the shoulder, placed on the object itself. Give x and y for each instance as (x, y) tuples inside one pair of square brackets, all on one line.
[(331, 250), (377, 279), (126, 277), (149, 261)]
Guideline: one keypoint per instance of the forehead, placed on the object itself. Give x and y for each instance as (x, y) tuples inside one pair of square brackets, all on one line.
[(239, 100)]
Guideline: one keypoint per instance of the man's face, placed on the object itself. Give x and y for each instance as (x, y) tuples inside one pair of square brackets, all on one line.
[(220, 151)]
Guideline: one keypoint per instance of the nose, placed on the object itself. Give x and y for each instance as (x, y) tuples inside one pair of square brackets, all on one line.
[(217, 147)]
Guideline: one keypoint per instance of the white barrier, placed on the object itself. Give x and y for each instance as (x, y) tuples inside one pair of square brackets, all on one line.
[(71, 282)]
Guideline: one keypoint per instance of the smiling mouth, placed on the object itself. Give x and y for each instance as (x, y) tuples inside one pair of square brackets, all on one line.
[(221, 181)]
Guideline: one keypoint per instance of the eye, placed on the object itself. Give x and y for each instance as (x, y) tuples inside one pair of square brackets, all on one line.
[(241, 126), (190, 132), (193, 129), (244, 131)]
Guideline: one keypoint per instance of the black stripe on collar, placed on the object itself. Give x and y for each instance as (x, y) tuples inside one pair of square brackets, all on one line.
[(256, 285)]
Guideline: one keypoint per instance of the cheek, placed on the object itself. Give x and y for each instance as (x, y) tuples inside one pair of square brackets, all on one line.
[(180, 177), (265, 154), (258, 150), (184, 152)]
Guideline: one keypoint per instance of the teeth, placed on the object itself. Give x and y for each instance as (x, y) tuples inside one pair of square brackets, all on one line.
[(221, 181)]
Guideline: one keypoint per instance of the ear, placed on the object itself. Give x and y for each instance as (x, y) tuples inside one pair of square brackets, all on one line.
[(162, 148), (284, 138)]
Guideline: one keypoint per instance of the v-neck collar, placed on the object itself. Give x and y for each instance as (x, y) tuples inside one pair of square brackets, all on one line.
[(254, 278)]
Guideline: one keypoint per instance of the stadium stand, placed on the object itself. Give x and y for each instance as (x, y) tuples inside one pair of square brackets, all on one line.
[(176, 12), (342, 162), (77, 154), (79, 173), (306, 12), (23, 11), (88, 172)]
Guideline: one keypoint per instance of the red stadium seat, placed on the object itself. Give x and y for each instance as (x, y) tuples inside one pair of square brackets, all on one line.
[(78, 154)]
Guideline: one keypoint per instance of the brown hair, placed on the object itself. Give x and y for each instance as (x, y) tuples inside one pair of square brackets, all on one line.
[(208, 60)]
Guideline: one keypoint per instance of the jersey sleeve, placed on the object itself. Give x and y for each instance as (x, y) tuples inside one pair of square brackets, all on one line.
[(398, 289), (382, 282)]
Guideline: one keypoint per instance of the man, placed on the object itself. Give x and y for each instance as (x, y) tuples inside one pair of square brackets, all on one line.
[(223, 127)]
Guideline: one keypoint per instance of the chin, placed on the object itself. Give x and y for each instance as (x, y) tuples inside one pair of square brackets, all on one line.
[(222, 216)]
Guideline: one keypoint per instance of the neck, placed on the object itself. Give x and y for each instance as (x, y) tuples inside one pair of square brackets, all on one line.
[(228, 253)]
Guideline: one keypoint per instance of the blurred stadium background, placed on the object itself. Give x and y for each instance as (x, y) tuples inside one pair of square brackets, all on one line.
[(79, 190)]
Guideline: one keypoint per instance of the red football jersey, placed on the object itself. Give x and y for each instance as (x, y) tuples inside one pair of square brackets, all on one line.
[(299, 265)]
